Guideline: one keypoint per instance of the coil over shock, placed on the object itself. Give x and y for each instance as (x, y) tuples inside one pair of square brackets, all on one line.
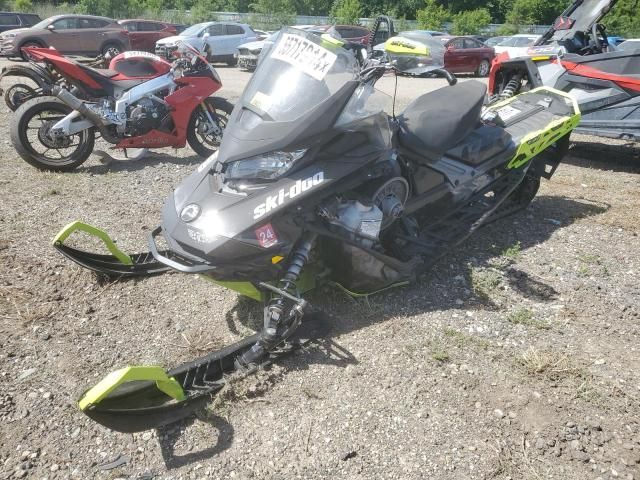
[(283, 313), (512, 86)]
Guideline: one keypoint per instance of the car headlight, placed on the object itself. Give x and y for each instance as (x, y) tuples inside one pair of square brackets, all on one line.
[(9, 35), (267, 166)]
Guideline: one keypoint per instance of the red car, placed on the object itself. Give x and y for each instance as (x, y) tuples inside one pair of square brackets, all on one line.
[(467, 55), (143, 34)]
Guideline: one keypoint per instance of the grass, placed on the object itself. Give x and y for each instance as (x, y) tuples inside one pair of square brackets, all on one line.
[(484, 281), (461, 339), (526, 317), (548, 364), (440, 356), (513, 252)]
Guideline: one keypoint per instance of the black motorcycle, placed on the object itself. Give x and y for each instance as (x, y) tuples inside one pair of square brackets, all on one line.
[(314, 182)]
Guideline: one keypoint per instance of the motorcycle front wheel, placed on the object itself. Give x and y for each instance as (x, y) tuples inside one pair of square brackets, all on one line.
[(207, 124), (30, 135)]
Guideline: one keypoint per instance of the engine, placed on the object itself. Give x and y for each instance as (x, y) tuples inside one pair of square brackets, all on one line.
[(146, 115), (363, 217)]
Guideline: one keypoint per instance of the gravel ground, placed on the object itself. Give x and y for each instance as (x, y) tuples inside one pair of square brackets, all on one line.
[(516, 357)]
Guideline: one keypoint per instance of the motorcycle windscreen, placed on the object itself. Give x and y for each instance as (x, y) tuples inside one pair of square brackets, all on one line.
[(415, 55)]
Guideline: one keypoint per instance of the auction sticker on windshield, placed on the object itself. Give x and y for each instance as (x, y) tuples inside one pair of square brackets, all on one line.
[(309, 57)]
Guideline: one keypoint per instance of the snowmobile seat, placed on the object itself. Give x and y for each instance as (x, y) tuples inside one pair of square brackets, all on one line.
[(481, 144), (437, 121)]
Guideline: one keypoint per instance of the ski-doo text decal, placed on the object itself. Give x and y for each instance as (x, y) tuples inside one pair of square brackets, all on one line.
[(274, 201), (312, 59)]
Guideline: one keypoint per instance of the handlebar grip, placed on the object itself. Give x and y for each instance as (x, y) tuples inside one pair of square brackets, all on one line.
[(451, 78)]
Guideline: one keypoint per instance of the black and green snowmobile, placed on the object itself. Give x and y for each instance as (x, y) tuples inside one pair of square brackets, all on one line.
[(315, 182)]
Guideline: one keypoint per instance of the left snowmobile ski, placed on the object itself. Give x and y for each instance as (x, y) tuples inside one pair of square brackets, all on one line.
[(315, 182)]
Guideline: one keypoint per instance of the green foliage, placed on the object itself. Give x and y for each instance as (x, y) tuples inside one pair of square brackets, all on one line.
[(111, 8), (154, 7), (471, 22), (202, 11), (432, 16), (346, 12), (310, 7), (275, 14), (22, 6), (534, 12), (624, 19), (507, 30)]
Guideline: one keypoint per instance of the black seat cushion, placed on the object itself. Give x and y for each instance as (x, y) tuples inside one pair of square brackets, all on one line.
[(436, 121)]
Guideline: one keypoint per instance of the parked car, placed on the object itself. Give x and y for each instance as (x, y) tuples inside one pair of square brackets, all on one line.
[(179, 27), (615, 40), (517, 45), (350, 33), (12, 20), (69, 34), (493, 41), (248, 53), (467, 55), (143, 34), (223, 39), (631, 44), (261, 34)]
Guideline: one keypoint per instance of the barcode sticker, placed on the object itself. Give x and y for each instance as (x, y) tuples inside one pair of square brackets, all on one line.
[(309, 57)]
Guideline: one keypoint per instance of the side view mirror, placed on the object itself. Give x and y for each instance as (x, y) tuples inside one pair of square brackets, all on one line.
[(450, 48), (51, 27), (206, 35)]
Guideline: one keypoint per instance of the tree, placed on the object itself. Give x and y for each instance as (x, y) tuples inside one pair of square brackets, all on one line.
[(507, 30), (22, 6), (534, 12), (624, 19), (275, 14), (432, 16), (471, 22), (346, 12), (202, 11)]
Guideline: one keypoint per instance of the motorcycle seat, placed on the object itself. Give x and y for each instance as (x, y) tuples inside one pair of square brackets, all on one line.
[(437, 121), (105, 72)]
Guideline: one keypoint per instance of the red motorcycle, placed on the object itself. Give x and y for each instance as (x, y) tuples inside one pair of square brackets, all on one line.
[(144, 102)]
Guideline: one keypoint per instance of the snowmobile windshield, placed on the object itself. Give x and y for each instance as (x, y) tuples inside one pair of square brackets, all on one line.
[(584, 15), (296, 74)]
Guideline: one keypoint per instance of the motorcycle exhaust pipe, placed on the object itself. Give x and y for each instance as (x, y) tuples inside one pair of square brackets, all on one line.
[(74, 102)]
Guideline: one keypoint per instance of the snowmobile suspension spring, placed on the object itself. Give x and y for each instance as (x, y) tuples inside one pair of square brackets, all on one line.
[(299, 258), (512, 86)]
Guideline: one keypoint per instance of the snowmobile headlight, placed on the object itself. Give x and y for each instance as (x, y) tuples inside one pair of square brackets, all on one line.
[(266, 166), (190, 212)]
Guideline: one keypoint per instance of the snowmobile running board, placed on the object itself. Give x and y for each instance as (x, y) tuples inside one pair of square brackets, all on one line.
[(118, 264)]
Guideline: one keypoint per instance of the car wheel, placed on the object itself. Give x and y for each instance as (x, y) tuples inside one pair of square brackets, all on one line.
[(28, 44), (483, 68), (113, 49)]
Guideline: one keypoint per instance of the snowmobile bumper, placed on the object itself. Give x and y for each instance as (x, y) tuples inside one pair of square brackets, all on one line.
[(116, 264)]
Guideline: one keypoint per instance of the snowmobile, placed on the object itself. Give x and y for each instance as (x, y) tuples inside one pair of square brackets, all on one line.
[(316, 182), (574, 56)]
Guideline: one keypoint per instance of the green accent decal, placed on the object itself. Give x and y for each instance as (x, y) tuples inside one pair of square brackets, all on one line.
[(96, 232), (165, 384), (537, 141), (243, 288), (403, 45), (367, 294)]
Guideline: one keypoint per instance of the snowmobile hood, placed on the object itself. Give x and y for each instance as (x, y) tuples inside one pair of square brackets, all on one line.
[(580, 16)]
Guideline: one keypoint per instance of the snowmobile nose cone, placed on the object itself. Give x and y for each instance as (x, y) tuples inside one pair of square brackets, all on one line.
[(190, 212)]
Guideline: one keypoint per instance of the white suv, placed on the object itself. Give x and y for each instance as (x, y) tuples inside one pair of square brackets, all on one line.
[(223, 39)]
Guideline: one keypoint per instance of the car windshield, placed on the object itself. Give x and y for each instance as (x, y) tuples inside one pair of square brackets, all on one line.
[(297, 73), (44, 23), (193, 30)]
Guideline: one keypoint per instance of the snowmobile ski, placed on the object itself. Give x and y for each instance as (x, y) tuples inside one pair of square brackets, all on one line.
[(118, 264)]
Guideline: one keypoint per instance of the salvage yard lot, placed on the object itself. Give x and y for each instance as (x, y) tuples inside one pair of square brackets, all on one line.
[(517, 356)]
